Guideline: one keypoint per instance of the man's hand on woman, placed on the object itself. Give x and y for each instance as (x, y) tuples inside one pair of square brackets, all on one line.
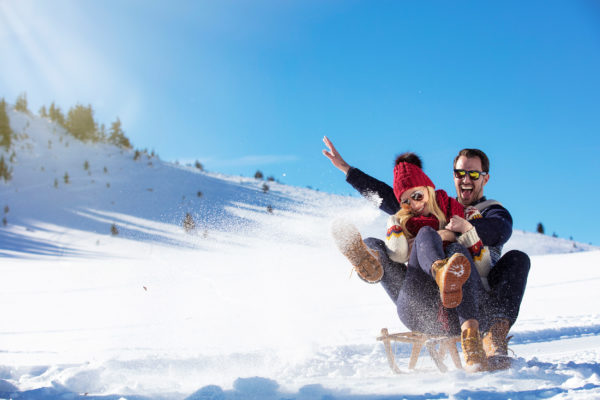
[(459, 225)]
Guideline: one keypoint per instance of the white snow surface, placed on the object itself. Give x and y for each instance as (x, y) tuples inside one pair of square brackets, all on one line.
[(251, 304)]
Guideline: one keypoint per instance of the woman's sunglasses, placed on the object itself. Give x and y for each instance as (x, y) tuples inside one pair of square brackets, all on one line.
[(474, 175), (417, 195)]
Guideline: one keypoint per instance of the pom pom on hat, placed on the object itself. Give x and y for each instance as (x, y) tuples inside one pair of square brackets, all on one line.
[(408, 176)]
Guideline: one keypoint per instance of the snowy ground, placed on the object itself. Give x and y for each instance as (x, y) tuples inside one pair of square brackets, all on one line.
[(251, 305)]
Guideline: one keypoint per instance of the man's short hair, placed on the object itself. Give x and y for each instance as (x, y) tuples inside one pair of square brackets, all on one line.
[(471, 153)]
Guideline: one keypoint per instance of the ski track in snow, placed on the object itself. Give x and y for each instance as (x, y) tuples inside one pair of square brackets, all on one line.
[(253, 304)]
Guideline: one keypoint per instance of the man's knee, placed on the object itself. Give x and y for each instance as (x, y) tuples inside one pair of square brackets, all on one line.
[(516, 260)]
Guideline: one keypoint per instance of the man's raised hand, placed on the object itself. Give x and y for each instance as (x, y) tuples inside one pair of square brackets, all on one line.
[(334, 156)]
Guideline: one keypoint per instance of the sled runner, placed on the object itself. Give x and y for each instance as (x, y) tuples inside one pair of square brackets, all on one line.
[(437, 346)]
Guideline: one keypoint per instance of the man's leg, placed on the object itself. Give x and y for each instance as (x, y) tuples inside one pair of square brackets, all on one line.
[(473, 290), (508, 279), (393, 272)]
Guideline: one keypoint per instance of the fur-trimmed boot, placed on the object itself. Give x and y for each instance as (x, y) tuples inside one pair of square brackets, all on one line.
[(450, 275), (495, 345), (348, 240), (472, 348)]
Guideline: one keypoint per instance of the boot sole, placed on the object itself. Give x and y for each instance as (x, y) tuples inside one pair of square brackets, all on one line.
[(454, 275), (351, 245)]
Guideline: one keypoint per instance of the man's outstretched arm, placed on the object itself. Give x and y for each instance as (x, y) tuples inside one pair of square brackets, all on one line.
[(365, 184)]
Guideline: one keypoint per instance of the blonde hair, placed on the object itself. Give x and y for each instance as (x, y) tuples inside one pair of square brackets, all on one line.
[(406, 213)]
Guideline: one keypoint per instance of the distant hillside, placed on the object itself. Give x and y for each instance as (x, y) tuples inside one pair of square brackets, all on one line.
[(60, 182)]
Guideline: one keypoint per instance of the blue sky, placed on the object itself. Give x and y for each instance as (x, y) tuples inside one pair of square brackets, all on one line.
[(254, 85)]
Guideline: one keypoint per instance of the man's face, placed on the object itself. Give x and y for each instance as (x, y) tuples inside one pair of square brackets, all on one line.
[(468, 190)]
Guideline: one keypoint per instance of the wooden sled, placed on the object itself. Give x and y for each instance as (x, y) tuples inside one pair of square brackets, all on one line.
[(437, 346)]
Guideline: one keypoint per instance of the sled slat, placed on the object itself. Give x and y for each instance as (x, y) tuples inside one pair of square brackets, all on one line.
[(437, 346)]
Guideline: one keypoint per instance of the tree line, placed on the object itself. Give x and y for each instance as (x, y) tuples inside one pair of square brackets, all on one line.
[(79, 122)]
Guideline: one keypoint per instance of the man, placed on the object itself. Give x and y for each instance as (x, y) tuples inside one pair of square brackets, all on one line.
[(508, 276)]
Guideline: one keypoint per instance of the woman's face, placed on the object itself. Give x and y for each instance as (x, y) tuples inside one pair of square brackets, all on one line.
[(416, 200)]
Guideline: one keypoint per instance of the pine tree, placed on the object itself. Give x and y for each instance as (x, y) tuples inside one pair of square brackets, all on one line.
[(188, 223), (540, 228), (81, 124), (5, 170), (117, 137), (101, 134), (6, 132), (21, 103), (43, 113), (56, 115)]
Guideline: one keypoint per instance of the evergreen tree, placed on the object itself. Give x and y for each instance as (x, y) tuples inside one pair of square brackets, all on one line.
[(81, 124), (102, 133), (188, 223), (5, 170), (540, 228), (117, 136), (43, 113), (5, 131), (258, 175), (21, 103), (56, 115)]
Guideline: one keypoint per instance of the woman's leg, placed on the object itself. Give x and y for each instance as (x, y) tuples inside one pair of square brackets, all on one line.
[(427, 248), (473, 293), (393, 272)]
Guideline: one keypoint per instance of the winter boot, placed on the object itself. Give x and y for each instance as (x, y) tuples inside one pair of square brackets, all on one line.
[(472, 348), (350, 243), (495, 344), (450, 275)]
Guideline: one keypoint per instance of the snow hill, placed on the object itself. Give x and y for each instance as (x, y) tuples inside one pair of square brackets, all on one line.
[(254, 302)]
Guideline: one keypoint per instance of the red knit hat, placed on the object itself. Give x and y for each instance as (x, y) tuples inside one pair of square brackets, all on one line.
[(408, 176)]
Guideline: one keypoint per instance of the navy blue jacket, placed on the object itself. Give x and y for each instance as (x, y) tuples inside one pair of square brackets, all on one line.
[(494, 229)]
